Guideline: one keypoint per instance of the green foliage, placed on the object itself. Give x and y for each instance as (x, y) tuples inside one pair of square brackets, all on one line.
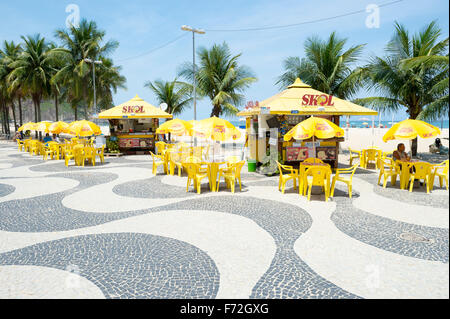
[(177, 95), (327, 67), (220, 77), (113, 146), (412, 76)]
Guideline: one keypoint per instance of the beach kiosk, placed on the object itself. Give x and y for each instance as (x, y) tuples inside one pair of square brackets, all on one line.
[(268, 121), (133, 124)]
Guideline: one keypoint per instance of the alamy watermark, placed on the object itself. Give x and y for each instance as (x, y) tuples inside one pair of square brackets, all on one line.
[(73, 19), (373, 19)]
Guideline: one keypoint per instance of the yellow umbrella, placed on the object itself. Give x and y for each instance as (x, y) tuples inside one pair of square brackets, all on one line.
[(30, 126), (175, 127), (43, 126), (58, 127), (83, 128), (216, 129), (410, 129), (314, 126)]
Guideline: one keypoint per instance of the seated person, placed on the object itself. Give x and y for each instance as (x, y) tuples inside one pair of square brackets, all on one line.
[(56, 138), (400, 154), (437, 147), (47, 138)]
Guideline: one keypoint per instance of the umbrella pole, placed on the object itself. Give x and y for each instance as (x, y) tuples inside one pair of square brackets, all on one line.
[(373, 129), (314, 148)]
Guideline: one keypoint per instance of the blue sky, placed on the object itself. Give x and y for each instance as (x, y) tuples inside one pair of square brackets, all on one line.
[(140, 26)]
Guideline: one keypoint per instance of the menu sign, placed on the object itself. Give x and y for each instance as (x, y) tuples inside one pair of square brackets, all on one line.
[(135, 143), (296, 154), (326, 153)]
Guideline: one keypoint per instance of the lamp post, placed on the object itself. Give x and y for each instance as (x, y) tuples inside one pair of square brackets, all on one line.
[(194, 31), (93, 62)]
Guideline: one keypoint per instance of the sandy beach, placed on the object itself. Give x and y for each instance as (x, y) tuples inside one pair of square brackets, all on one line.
[(359, 138)]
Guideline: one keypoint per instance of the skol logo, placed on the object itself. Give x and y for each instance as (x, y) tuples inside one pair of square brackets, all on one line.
[(405, 130), (314, 100), (133, 109), (219, 129), (321, 127)]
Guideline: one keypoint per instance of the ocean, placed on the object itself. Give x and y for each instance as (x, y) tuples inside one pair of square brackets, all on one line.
[(359, 123)]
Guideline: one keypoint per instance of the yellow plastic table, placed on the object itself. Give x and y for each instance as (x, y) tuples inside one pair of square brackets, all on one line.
[(213, 170), (405, 166)]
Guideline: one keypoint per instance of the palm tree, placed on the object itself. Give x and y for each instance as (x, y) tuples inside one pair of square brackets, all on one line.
[(412, 76), (220, 78), (327, 67), (80, 43), (57, 89), (174, 93), (32, 71), (11, 53), (108, 81), (439, 107)]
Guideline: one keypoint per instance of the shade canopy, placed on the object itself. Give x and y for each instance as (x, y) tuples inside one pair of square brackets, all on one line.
[(410, 129), (135, 108), (43, 126), (300, 99), (176, 127), (83, 128), (30, 126), (216, 129), (314, 126), (58, 127)]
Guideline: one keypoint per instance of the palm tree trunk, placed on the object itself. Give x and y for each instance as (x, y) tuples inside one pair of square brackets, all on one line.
[(4, 129), (216, 111), (56, 108), (13, 108), (75, 111), (20, 111)]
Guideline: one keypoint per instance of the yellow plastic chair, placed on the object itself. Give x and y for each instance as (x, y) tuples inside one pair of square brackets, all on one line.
[(313, 160), (68, 155), (46, 151), (157, 161), (370, 156), (20, 145), (317, 176), (347, 180), (441, 170), (193, 159), (89, 153), (232, 159), (35, 148), (160, 147), (54, 147), (231, 174), (386, 155), (26, 145), (78, 152), (421, 170), (197, 151), (206, 152), (354, 154), (288, 174), (195, 175), (388, 170), (100, 152), (176, 161)]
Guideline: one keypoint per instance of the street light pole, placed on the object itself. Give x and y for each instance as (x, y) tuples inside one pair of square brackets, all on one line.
[(94, 62), (194, 31)]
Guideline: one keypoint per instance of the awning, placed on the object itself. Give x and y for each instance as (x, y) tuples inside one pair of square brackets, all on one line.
[(136, 108), (300, 99)]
